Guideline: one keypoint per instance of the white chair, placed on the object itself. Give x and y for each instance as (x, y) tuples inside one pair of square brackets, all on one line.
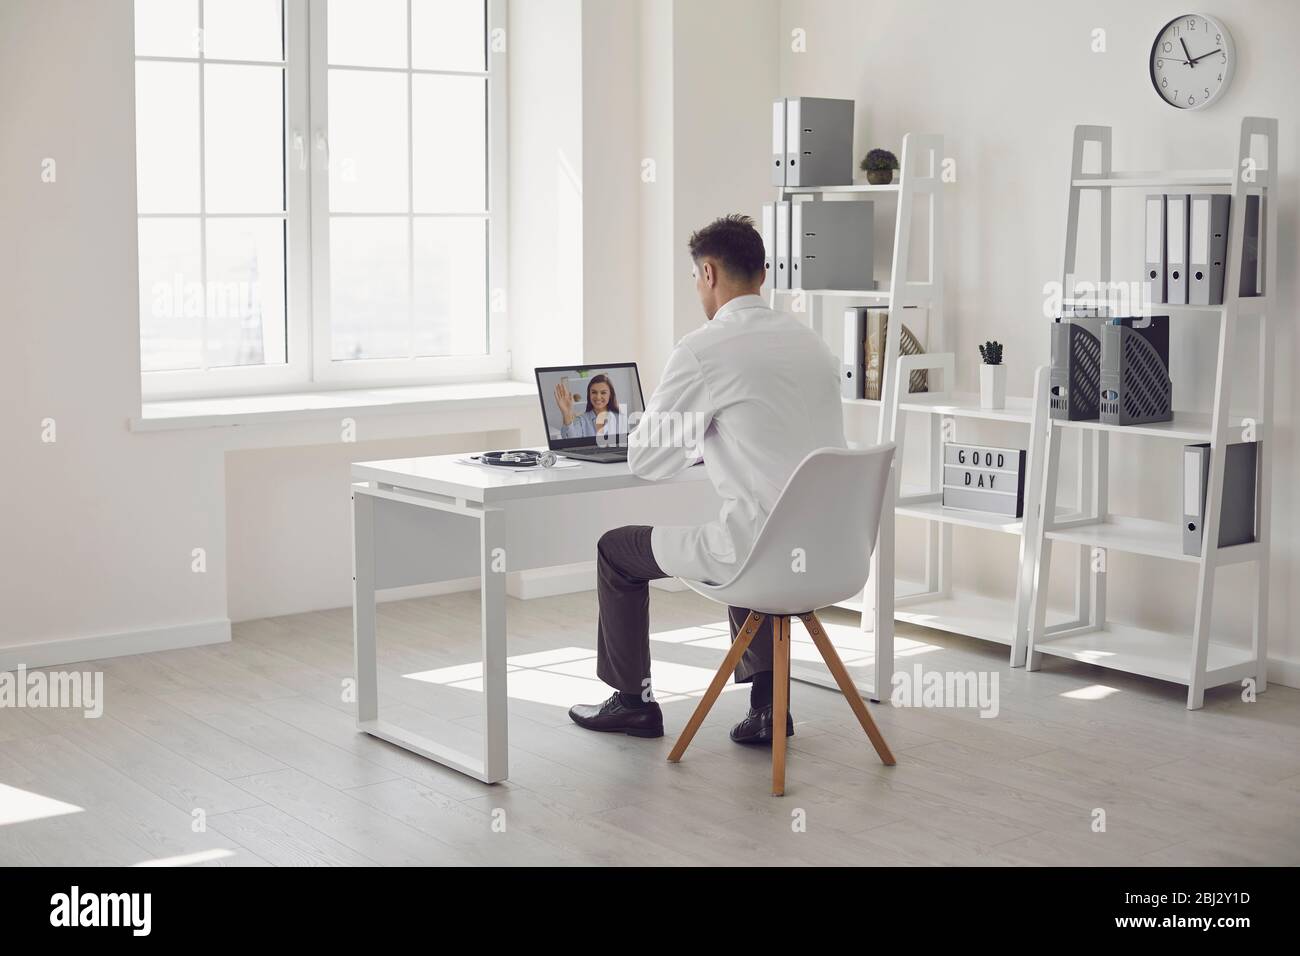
[(813, 550)]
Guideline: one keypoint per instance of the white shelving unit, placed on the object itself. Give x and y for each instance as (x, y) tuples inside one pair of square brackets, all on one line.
[(936, 604), (1197, 660), (920, 167), (919, 178)]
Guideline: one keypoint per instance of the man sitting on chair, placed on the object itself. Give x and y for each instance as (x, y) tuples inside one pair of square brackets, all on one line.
[(755, 391)]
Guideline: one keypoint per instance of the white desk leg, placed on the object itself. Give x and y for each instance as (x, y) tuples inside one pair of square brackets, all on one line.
[(883, 589), (493, 600), (363, 608)]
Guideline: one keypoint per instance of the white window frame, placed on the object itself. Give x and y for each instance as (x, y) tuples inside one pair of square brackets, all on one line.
[(307, 293)]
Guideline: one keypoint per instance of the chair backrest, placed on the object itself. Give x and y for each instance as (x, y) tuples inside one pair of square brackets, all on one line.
[(815, 547)]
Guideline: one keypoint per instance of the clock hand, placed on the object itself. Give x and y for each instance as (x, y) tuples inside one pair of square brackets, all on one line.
[(1204, 55), (1187, 52)]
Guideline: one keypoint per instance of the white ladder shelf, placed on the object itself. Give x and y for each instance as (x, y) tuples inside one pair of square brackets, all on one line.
[(936, 605), (920, 176), (1196, 660)]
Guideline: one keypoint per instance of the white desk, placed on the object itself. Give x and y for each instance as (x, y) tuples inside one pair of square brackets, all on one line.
[(421, 520)]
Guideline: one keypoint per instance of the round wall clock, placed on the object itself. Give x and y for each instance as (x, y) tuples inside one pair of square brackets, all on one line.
[(1192, 61)]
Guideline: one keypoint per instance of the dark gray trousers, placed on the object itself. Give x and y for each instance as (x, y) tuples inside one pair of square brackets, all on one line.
[(625, 566)]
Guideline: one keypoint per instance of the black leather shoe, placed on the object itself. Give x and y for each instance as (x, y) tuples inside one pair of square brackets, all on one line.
[(756, 728), (614, 717)]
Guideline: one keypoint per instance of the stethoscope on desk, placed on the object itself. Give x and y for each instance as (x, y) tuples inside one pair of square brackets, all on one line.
[(518, 458)]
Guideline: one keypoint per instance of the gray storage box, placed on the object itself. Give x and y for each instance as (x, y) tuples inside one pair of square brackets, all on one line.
[(778, 142), (781, 243), (1076, 368), (830, 245), (1252, 249), (1135, 384), (1207, 248), (1237, 519), (818, 136)]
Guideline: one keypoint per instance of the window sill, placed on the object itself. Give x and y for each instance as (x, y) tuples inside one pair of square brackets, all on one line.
[(312, 406)]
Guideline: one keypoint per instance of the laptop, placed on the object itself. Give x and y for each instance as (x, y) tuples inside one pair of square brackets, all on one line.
[(589, 410)]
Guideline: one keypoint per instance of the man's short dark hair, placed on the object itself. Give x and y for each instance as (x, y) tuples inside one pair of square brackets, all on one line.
[(734, 243)]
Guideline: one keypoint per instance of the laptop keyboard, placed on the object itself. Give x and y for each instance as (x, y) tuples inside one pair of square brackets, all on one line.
[(596, 453)]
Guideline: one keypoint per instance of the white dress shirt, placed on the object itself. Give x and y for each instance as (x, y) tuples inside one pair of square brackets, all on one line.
[(762, 389)]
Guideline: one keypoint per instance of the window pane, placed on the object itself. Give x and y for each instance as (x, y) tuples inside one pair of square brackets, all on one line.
[(368, 147), (167, 137), (366, 33), (450, 143), (167, 28), (450, 301), (369, 287), (171, 294), (448, 35), (244, 139), (245, 293), (243, 30)]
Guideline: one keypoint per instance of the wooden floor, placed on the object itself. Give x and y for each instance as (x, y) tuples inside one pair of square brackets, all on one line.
[(256, 735)]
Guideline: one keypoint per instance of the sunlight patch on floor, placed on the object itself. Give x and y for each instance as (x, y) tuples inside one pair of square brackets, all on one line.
[(23, 806), (564, 676), (688, 635), (452, 673), (190, 859), (1092, 692)]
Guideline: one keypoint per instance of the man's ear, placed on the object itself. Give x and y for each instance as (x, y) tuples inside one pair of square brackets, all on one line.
[(710, 274)]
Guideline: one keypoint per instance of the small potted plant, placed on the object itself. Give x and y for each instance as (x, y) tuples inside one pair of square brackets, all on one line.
[(993, 376), (879, 165)]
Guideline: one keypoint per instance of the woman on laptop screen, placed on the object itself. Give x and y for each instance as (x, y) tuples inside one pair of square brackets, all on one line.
[(601, 419)]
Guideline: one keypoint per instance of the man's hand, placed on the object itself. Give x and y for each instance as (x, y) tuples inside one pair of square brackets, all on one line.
[(565, 401)]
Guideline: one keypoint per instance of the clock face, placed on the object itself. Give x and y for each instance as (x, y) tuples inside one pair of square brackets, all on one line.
[(1192, 61)]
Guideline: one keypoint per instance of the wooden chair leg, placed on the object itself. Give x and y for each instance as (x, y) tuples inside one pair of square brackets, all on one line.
[(780, 699), (847, 687), (738, 648)]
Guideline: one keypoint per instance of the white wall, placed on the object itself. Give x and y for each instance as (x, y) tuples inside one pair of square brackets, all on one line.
[(611, 153), (100, 526), (724, 80), (546, 188), (708, 79), (1005, 83), (655, 174), (97, 527), (289, 519)]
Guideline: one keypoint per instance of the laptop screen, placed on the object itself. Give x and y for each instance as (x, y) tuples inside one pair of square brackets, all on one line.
[(590, 404)]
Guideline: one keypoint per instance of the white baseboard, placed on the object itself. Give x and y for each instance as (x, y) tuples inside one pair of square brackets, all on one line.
[(1284, 671), (548, 582), (72, 650), (543, 582), (523, 585), (567, 579), (432, 589)]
